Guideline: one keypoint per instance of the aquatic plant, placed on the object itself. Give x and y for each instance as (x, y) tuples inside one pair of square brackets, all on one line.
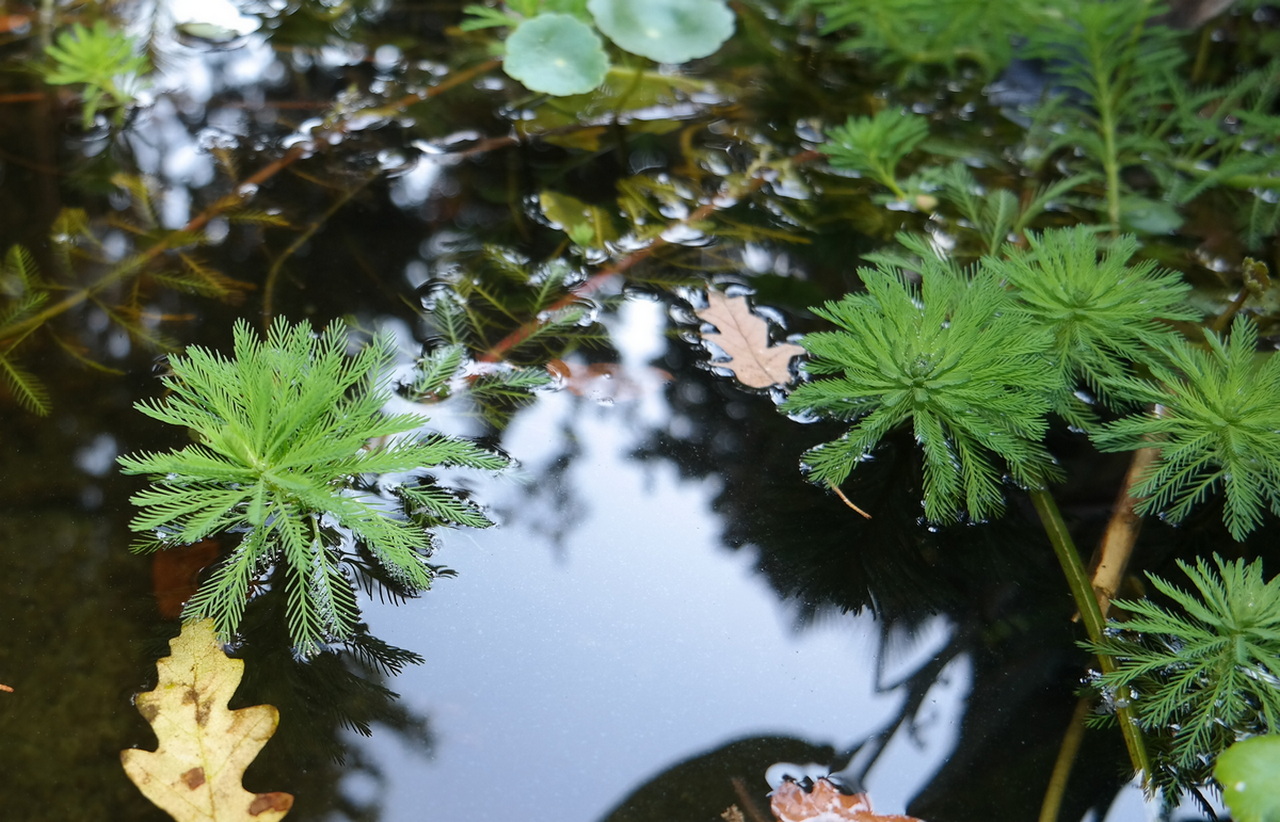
[(909, 37), (1203, 673), (957, 360), (102, 59), (1112, 70), (21, 295), (873, 146), (1215, 422), (296, 460), (1105, 314), (555, 46)]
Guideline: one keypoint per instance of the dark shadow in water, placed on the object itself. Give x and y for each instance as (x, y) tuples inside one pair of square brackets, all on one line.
[(700, 788)]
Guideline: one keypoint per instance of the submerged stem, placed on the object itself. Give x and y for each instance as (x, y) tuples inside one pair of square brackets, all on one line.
[(1090, 614), (1067, 752)]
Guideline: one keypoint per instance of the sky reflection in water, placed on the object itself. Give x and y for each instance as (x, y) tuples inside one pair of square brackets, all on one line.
[(559, 677)]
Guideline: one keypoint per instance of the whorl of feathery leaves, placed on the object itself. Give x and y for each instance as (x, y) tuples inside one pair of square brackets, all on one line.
[(1205, 672), (1215, 423), (284, 431), (1104, 313), (957, 360)]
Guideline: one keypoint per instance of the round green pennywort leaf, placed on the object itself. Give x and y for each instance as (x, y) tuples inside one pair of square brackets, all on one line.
[(668, 31), (556, 54), (1247, 771)]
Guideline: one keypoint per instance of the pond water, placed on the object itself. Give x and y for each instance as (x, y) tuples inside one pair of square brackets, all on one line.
[(665, 607)]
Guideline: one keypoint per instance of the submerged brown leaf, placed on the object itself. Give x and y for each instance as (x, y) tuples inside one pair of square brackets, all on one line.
[(195, 774), (744, 336)]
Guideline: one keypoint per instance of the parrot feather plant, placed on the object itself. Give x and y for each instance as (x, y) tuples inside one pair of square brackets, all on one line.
[(975, 362), (297, 461)]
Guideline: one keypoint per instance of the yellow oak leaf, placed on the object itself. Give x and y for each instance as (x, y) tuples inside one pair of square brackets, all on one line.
[(194, 775), (744, 336)]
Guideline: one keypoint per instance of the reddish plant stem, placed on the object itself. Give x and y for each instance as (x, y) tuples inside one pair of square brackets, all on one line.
[(596, 281), (18, 330)]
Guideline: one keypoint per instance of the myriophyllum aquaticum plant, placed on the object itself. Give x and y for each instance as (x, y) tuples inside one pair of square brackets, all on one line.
[(975, 362), (1208, 667), (296, 461)]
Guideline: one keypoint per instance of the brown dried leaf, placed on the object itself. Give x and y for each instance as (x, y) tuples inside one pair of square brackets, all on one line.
[(825, 803), (744, 336), (195, 774)]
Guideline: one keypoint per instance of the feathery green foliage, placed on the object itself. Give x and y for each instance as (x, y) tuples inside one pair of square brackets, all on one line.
[(1217, 424), (1204, 673), (954, 358), (100, 58), (1112, 70), (906, 36), (995, 215), (22, 293), (1104, 313), (873, 146), (1228, 140), (289, 434)]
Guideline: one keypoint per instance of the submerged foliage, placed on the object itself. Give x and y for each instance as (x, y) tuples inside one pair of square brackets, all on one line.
[(101, 59), (956, 360), (873, 146), (289, 432), (1205, 673), (21, 296), (908, 36), (1216, 424)]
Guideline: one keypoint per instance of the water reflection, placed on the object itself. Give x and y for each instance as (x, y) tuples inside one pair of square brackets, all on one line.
[(578, 670)]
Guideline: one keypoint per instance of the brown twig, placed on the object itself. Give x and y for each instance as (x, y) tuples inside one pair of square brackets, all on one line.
[(240, 194), (596, 281), (747, 800), (846, 500), (1116, 546)]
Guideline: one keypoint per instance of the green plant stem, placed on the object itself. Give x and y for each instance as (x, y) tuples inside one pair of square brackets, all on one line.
[(1070, 748), (1090, 614)]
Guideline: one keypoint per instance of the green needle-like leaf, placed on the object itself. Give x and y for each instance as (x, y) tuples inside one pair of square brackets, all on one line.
[(1205, 672), (1216, 424), (1104, 313), (284, 429), (957, 360)]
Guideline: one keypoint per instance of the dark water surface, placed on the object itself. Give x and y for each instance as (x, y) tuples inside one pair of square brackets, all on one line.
[(665, 609)]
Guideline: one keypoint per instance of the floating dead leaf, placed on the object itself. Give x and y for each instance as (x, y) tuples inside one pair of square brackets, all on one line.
[(744, 336), (825, 803), (607, 382), (195, 774)]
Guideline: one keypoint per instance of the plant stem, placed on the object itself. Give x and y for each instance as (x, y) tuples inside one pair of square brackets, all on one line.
[(1052, 803), (1090, 614)]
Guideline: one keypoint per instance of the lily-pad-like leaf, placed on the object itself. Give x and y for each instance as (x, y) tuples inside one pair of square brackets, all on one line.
[(668, 31), (556, 54), (1247, 771), (195, 774)]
